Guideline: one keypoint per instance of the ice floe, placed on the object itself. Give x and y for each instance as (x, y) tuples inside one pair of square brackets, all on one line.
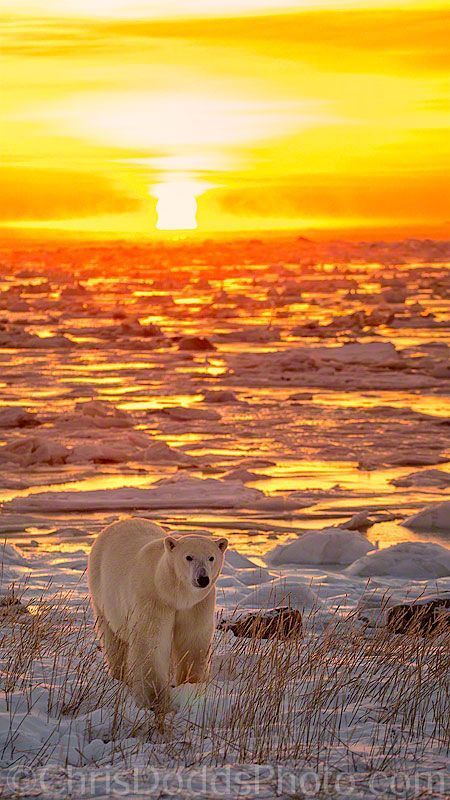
[(327, 546), (433, 518), (179, 491), (427, 477), (418, 561)]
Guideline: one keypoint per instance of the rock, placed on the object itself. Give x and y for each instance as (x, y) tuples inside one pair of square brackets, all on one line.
[(195, 343), (10, 605), (429, 614), (277, 623)]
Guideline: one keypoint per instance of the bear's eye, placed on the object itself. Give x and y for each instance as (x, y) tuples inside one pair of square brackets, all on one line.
[(211, 558), (188, 558)]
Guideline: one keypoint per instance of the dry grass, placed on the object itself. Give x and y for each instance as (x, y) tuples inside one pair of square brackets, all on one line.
[(348, 697)]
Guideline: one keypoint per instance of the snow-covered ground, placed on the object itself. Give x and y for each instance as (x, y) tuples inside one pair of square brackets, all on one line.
[(300, 408)]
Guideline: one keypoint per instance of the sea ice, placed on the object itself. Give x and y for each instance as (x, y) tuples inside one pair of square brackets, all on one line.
[(426, 477), (282, 592), (327, 546), (34, 450), (16, 417), (179, 491), (419, 561), (432, 518)]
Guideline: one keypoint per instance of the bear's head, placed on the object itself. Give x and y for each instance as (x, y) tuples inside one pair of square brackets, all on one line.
[(197, 560)]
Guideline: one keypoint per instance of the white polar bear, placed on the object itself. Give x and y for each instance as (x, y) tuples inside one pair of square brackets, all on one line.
[(154, 597)]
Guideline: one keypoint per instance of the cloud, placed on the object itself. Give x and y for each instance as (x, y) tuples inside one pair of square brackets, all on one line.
[(401, 197), (405, 38), (40, 194)]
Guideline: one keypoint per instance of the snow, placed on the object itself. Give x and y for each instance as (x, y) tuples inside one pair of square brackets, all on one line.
[(416, 560), (73, 717), (328, 546), (433, 518)]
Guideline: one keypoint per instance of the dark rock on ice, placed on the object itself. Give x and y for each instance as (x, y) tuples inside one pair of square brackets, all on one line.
[(427, 615), (277, 623)]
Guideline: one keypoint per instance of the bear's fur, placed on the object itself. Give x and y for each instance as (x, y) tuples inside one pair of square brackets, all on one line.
[(154, 615)]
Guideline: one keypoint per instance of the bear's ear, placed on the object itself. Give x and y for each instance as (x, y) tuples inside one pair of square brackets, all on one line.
[(222, 544), (170, 543)]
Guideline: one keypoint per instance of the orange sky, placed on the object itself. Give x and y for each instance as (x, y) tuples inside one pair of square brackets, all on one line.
[(241, 114)]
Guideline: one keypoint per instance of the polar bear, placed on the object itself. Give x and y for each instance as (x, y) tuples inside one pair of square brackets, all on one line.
[(153, 597)]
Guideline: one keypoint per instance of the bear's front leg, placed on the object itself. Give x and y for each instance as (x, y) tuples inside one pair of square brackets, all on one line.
[(149, 655), (194, 629)]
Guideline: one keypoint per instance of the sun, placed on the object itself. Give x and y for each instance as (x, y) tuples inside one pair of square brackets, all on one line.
[(176, 205)]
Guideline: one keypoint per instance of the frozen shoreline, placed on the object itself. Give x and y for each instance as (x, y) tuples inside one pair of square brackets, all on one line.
[(297, 403)]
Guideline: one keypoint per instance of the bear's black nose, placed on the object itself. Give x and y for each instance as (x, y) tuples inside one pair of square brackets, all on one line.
[(202, 581)]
